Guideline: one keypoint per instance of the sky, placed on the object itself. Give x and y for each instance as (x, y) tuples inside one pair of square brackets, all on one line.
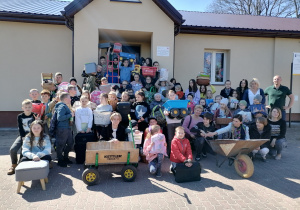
[(191, 5)]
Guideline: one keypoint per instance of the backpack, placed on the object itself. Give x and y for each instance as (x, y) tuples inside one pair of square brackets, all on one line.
[(53, 124), (159, 115), (149, 95)]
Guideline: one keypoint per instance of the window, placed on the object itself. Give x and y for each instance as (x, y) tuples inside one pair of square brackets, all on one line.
[(215, 66)]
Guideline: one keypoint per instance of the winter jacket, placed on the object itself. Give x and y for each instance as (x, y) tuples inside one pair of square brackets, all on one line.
[(63, 115), (180, 150), (155, 103)]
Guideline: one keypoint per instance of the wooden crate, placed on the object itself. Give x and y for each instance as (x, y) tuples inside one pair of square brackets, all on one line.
[(110, 153)]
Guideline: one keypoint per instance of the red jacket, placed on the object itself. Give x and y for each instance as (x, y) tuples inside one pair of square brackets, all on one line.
[(180, 150)]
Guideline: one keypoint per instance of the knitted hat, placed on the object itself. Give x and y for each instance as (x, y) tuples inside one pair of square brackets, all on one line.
[(243, 102), (73, 79), (258, 97), (224, 101)]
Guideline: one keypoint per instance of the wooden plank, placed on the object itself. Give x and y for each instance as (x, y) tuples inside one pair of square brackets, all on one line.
[(111, 156)]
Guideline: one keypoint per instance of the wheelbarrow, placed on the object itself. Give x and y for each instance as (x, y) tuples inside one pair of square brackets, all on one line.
[(236, 152)]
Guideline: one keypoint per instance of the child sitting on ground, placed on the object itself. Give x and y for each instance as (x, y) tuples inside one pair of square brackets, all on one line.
[(34, 95), (181, 151), (155, 149), (216, 105), (191, 105), (179, 92), (24, 121), (36, 145), (84, 116)]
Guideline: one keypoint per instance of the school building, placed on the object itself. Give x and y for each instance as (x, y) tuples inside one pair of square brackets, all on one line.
[(50, 36)]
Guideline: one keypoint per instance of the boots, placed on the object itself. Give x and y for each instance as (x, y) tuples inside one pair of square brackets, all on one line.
[(11, 170)]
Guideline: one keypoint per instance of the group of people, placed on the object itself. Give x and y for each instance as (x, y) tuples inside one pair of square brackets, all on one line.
[(68, 112)]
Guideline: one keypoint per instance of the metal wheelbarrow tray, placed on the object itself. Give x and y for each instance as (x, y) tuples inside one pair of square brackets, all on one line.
[(236, 151)]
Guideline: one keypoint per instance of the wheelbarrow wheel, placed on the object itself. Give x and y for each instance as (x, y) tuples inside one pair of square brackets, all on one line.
[(174, 113), (129, 173), (244, 166), (90, 176)]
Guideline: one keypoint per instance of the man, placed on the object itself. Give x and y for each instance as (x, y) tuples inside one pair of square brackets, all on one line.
[(58, 78), (277, 94)]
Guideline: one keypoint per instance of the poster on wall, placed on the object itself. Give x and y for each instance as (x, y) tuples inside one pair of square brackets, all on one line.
[(296, 64), (163, 51)]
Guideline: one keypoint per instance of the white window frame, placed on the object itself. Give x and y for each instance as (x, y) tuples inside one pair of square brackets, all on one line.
[(213, 64)]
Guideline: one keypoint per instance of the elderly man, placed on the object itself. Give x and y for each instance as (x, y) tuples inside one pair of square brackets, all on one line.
[(277, 94)]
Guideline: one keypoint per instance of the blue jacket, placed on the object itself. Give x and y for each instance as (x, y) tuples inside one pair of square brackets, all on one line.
[(63, 115), (261, 92), (125, 73)]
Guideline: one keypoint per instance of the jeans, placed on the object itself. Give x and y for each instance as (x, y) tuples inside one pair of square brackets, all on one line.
[(156, 162), (64, 143), (171, 133), (279, 145), (263, 151), (199, 143), (283, 114), (14, 150), (46, 157)]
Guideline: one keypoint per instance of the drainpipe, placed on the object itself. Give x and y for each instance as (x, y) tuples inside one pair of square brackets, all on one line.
[(176, 32), (69, 22)]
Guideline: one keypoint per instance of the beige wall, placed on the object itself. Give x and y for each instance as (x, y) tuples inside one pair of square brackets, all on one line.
[(26, 51), (140, 17), (248, 57)]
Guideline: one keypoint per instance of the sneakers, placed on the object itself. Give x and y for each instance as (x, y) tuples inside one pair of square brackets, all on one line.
[(278, 157), (11, 170), (152, 169), (62, 164)]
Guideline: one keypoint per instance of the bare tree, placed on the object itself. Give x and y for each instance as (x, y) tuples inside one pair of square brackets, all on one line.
[(278, 8)]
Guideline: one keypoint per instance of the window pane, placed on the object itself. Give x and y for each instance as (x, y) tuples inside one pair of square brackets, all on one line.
[(207, 62), (219, 67)]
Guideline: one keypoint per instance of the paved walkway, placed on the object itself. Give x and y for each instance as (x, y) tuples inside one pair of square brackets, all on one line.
[(274, 185)]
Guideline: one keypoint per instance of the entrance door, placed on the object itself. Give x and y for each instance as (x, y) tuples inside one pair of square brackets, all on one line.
[(132, 50)]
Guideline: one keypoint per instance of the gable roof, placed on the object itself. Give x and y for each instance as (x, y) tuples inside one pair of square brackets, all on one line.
[(33, 11), (240, 25)]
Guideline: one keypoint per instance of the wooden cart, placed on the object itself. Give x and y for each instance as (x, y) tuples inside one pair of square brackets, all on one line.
[(103, 153)]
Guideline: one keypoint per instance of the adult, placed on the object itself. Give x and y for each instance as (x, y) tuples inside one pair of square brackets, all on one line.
[(242, 88), (236, 129), (277, 94), (253, 90), (115, 131), (227, 91), (191, 120), (193, 90), (58, 78), (261, 130), (278, 130)]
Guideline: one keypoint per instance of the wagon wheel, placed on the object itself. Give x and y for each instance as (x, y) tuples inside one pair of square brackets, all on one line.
[(90, 176), (128, 173), (174, 112), (244, 166)]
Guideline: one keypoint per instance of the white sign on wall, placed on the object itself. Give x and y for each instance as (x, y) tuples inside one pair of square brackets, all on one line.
[(163, 51), (296, 64)]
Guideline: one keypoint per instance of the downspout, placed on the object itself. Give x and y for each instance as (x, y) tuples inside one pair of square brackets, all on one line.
[(176, 32), (69, 22)]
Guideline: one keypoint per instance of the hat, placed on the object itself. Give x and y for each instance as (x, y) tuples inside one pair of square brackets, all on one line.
[(73, 79), (258, 97), (243, 102), (224, 101)]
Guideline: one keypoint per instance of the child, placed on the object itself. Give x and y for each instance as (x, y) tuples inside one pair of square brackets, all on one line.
[(223, 111), (103, 66), (45, 96), (84, 116), (233, 101), (113, 100), (123, 86), (73, 81), (209, 98), (179, 92), (125, 70), (203, 90), (227, 91), (136, 84), (125, 97), (200, 131), (24, 121), (148, 83), (191, 105), (104, 87), (103, 107), (140, 110), (34, 95), (205, 107), (36, 145), (111, 76), (90, 104), (181, 151), (131, 95), (216, 105), (162, 85), (257, 109), (72, 91), (155, 149), (244, 111), (157, 101), (64, 140)]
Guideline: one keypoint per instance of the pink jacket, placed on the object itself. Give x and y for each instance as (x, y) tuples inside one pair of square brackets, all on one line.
[(147, 149)]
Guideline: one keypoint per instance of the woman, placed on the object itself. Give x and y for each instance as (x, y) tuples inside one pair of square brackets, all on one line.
[(203, 90), (191, 120), (278, 130), (236, 129), (242, 88), (261, 130), (254, 90), (194, 90), (114, 132)]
